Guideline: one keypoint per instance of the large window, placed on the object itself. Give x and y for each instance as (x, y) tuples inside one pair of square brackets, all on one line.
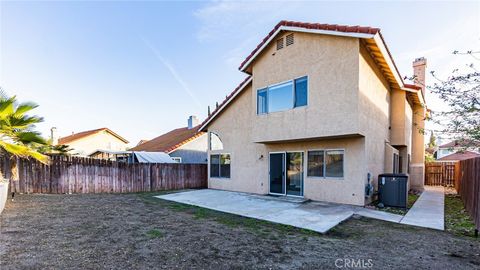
[(327, 163), (220, 165), (284, 96)]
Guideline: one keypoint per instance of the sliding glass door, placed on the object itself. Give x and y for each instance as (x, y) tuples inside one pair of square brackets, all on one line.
[(286, 173), (277, 173), (294, 179)]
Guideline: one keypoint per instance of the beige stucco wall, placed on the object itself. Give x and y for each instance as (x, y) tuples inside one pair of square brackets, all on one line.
[(417, 165), (374, 113), (331, 64), (250, 161), (101, 140)]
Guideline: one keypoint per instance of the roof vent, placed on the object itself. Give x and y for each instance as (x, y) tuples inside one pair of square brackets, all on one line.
[(279, 44), (289, 39)]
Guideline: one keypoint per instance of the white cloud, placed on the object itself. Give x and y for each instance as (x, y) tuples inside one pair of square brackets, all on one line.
[(220, 19)]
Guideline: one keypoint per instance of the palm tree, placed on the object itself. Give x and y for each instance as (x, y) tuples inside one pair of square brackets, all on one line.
[(17, 135)]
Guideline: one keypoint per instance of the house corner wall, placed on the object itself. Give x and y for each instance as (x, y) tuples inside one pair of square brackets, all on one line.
[(417, 164)]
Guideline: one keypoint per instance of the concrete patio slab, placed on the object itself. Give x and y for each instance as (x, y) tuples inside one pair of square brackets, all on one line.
[(428, 210), (316, 216)]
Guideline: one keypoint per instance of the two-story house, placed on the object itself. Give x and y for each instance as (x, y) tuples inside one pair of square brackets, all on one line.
[(322, 113)]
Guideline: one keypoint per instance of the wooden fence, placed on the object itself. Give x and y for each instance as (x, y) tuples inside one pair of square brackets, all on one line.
[(67, 174), (441, 173), (469, 187)]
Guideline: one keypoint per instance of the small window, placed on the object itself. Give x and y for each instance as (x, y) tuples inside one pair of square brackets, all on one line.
[(408, 163), (334, 163), (279, 44), (215, 166), (225, 166), (220, 165), (315, 163), (395, 163), (289, 39), (215, 142), (262, 101), (177, 159), (301, 92)]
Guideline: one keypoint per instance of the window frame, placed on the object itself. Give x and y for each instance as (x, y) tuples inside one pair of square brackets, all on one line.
[(219, 165), (267, 90), (325, 150), (323, 166)]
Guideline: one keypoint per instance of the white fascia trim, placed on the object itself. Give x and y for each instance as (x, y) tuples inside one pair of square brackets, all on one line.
[(304, 30), (226, 103), (383, 49), (417, 92)]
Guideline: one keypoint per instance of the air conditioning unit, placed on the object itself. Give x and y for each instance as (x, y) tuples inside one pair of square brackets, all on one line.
[(392, 189)]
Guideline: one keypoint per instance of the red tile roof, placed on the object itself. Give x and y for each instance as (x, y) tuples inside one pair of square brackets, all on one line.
[(315, 26), (460, 156), (169, 141), (460, 143), (83, 134)]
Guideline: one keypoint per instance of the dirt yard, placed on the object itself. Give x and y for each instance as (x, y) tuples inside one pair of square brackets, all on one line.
[(136, 231)]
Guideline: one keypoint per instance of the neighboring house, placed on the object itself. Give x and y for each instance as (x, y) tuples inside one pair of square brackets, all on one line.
[(86, 142), (461, 155), (457, 146), (141, 141), (184, 145), (322, 113)]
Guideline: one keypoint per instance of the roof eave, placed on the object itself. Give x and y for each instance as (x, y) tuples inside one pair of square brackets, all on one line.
[(245, 66), (204, 125)]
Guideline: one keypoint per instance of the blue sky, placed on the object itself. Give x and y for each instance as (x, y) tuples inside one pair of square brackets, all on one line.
[(141, 68)]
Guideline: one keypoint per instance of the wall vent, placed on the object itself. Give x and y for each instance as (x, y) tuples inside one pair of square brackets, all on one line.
[(289, 39), (279, 44)]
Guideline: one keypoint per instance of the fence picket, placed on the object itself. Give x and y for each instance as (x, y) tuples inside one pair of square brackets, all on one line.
[(85, 175)]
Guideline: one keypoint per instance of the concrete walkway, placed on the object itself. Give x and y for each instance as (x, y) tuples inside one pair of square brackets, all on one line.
[(316, 216), (428, 210)]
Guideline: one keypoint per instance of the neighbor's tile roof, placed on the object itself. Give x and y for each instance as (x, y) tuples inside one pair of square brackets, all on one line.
[(460, 143), (83, 134), (315, 26), (169, 141), (460, 156)]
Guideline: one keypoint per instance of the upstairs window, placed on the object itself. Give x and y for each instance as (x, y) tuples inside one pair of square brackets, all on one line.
[(301, 92), (280, 97), (283, 96), (262, 101)]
